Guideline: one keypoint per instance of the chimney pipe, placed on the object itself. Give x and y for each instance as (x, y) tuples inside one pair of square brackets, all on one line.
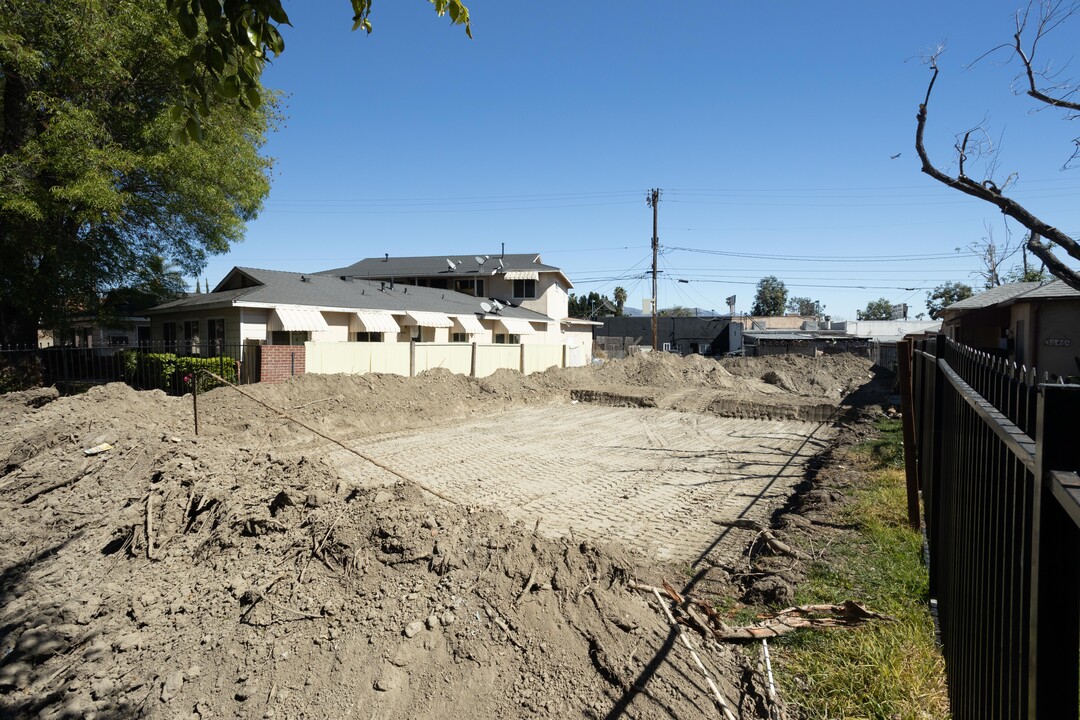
[(387, 257)]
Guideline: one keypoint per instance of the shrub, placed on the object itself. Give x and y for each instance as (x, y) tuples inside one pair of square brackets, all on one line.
[(223, 365), (172, 373)]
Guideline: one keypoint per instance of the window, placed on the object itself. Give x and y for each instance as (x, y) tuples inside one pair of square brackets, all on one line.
[(288, 337), (168, 335), (474, 287), (191, 337), (504, 339), (524, 288), (666, 347), (215, 335), (459, 337), (118, 340), (369, 337)]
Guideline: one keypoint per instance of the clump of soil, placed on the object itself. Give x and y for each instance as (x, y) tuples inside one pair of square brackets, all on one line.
[(236, 573)]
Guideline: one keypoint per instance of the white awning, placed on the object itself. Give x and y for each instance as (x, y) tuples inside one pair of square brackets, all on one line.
[(378, 322), (470, 324), (521, 275), (297, 319), (427, 319), (517, 326)]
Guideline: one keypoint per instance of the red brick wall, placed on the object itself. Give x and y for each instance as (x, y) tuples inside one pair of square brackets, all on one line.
[(277, 363)]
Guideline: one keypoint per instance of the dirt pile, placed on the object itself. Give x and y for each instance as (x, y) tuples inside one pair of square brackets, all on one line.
[(238, 574)]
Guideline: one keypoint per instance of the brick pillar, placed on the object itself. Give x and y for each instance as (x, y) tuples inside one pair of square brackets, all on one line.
[(277, 363)]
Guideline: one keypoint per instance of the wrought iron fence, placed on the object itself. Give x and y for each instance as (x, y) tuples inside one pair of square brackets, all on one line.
[(996, 456), (172, 367)]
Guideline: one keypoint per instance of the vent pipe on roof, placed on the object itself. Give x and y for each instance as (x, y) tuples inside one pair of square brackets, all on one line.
[(382, 287), (387, 258), (304, 278), (502, 253)]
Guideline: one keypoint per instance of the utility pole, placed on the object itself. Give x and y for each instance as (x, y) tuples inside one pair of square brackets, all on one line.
[(653, 201)]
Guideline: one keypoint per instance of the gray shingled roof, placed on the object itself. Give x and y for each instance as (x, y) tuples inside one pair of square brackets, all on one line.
[(993, 296), (1055, 290), (330, 291), (428, 266)]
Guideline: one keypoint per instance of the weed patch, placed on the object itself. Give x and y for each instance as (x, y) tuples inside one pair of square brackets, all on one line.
[(883, 670)]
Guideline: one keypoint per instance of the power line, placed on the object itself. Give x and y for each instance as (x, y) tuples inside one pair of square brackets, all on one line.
[(814, 258)]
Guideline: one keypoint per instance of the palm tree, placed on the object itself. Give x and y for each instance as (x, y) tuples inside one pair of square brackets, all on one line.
[(620, 299)]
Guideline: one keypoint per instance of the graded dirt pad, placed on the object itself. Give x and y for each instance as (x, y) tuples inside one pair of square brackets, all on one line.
[(253, 572), (651, 480)]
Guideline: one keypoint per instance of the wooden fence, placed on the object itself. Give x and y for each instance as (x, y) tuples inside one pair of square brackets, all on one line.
[(996, 455)]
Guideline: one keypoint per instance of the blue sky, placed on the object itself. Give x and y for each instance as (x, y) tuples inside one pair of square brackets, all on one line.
[(769, 126)]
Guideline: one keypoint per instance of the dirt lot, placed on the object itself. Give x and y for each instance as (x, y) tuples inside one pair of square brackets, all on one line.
[(649, 479), (257, 570)]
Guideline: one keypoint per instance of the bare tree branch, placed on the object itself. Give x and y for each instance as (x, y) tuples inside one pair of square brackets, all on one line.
[(1052, 15), (989, 192)]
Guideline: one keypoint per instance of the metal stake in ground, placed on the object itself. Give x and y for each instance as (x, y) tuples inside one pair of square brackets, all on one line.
[(195, 398)]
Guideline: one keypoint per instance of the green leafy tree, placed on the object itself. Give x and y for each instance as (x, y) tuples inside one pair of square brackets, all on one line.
[(590, 306), (620, 300), (771, 297), (805, 306), (93, 188), (880, 309), (228, 44), (677, 311), (945, 295), (1029, 274)]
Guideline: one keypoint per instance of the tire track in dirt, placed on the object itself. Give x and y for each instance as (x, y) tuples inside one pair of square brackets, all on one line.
[(649, 479)]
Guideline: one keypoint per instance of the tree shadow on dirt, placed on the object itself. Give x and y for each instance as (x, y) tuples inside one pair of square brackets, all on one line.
[(42, 648), (874, 392)]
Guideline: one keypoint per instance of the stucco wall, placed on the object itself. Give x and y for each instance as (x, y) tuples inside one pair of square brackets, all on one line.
[(1058, 341)]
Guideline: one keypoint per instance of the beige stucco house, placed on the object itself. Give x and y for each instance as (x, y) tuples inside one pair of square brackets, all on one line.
[(503, 305)]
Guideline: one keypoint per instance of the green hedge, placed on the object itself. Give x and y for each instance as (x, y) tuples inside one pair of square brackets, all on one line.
[(173, 373)]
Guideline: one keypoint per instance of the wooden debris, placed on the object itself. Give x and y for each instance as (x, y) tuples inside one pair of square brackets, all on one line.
[(848, 614), (150, 526), (725, 708), (528, 585), (775, 544)]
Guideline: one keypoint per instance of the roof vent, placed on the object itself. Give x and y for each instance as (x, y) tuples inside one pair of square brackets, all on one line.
[(382, 287), (386, 258), (305, 278)]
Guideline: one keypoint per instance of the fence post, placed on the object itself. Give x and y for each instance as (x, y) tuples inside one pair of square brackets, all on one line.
[(472, 362), (1053, 657), (930, 456), (412, 358), (903, 366)]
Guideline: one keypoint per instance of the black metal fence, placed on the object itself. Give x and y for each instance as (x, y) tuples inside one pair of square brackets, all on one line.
[(997, 454), (173, 368)]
